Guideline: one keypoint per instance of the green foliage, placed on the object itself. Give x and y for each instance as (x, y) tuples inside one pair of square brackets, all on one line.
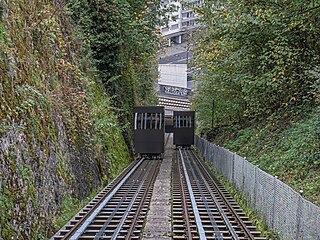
[(59, 114), (69, 77), (111, 152), (257, 57), (69, 207), (260, 64), (122, 37), (291, 152)]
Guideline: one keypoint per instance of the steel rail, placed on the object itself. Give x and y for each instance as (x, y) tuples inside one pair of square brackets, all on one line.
[(219, 235), (234, 213), (220, 210), (94, 212), (129, 207), (105, 225), (184, 199), (143, 200), (200, 228), (105, 192)]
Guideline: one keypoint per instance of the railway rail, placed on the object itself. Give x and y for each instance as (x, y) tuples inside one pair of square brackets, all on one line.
[(202, 208), (119, 210)]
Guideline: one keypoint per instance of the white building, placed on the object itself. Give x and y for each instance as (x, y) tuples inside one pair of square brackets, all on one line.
[(173, 75), (182, 21)]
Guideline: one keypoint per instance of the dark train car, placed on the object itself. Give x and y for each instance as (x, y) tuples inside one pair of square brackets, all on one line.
[(183, 128), (168, 122), (149, 130)]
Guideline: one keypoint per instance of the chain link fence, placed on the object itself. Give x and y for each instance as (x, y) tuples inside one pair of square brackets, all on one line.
[(283, 209)]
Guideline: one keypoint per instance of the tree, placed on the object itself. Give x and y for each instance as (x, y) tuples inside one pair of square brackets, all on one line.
[(258, 56)]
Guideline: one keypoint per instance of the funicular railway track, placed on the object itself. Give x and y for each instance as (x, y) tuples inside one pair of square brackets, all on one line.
[(202, 208), (119, 211)]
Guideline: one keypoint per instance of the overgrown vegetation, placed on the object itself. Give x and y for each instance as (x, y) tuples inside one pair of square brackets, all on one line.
[(123, 39), (69, 208), (258, 60), (260, 63), (292, 153), (70, 73)]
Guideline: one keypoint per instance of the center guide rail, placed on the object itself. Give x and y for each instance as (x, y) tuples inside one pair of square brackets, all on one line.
[(76, 226), (200, 208)]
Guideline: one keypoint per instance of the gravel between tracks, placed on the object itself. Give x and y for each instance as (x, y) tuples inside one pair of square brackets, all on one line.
[(158, 224)]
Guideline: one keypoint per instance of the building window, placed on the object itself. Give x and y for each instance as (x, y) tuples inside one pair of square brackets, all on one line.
[(185, 24), (174, 26)]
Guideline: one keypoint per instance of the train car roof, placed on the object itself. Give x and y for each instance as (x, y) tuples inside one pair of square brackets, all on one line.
[(184, 113), (148, 109)]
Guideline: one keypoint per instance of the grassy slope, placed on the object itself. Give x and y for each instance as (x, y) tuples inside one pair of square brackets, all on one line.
[(291, 152)]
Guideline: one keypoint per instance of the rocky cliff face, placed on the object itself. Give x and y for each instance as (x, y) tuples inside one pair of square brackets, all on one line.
[(36, 177), (58, 134)]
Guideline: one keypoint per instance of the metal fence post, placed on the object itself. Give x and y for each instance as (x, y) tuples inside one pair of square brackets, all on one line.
[(232, 169), (273, 201), (255, 187), (299, 214), (242, 185)]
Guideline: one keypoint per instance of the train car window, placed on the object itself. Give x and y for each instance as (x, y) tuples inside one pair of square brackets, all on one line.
[(154, 121), (138, 120), (135, 120), (160, 121), (182, 119), (148, 121), (176, 121), (144, 121), (183, 122)]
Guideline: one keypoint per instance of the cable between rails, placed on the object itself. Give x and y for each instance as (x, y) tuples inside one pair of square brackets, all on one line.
[(184, 202), (218, 233), (247, 232), (99, 235), (200, 228), (88, 221)]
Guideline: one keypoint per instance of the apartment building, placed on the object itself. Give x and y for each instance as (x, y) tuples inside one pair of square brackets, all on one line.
[(182, 21)]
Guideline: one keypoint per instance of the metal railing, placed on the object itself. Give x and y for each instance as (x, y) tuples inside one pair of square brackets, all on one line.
[(283, 209)]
